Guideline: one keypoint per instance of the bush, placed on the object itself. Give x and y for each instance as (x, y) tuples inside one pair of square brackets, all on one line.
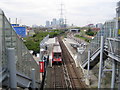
[(33, 42), (90, 33)]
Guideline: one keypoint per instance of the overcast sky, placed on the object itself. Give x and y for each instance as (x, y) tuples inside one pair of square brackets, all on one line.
[(77, 12)]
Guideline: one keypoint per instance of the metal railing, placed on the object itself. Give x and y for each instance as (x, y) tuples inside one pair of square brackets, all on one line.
[(113, 47), (109, 30)]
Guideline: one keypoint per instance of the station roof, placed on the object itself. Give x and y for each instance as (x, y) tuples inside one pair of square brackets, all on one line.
[(50, 41), (57, 49)]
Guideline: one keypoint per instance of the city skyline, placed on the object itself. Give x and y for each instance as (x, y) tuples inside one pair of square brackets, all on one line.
[(77, 12)]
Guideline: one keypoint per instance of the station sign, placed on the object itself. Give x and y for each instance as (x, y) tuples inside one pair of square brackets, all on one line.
[(41, 63), (119, 32)]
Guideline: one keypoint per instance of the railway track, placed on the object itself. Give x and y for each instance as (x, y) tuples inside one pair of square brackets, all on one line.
[(75, 77), (57, 77), (65, 76)]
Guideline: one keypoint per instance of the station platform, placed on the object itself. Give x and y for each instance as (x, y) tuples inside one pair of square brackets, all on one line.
[(93, 79), (71, 50)]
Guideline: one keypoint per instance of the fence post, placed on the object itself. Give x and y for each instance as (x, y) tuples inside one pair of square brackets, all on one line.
[(113, 74), (88, 68), (12, 67), (101, 62), (33, 78)]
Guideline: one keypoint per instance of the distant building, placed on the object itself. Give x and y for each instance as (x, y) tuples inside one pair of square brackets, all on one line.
[(61, 22), (99, 25), (30, 32), (91, 25), (35, 26), (14, 25), (54, 22), (20, 30), (96, 29), (74, 30), (47, 24)]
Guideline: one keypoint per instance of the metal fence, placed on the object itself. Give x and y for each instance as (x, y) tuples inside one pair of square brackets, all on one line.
[(109, 30), (9, 39), (113, 47)]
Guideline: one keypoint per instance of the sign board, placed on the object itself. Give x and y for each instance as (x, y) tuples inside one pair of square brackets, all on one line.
[(41, 66), (118, 31)]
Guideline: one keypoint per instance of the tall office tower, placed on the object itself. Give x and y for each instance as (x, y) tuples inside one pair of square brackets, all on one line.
[(47, 24), (54, 22), (61, 22)]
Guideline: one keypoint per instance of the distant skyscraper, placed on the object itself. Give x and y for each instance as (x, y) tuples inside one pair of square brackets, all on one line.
[(61, 22), (54, 22), (51, 24), (47, 24)]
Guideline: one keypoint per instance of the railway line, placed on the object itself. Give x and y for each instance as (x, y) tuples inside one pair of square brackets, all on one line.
[(59, 81), (65, 75), (75, 77)]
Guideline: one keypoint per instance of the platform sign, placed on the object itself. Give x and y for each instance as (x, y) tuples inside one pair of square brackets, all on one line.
[(119, 32), (41, 67)]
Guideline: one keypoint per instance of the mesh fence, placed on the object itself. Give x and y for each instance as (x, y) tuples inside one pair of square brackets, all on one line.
[(9, 39)]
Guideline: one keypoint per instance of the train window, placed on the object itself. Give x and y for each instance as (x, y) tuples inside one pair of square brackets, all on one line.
[(57, 55)]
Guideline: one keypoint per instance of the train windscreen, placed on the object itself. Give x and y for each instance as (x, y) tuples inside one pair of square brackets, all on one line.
[(57, 55)]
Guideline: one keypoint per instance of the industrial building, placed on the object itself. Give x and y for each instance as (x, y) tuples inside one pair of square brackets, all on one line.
[(20, 30)]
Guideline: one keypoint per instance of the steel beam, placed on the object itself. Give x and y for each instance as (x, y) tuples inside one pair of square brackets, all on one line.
[(101, 62), (88, 68)]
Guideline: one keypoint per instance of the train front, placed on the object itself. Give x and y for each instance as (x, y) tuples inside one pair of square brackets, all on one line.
[(57, 54)]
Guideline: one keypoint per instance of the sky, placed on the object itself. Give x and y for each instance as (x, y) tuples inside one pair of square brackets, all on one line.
[(77, 12)]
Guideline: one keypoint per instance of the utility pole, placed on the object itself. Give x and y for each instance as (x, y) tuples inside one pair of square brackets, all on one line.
[(16, 21), (61, 19)]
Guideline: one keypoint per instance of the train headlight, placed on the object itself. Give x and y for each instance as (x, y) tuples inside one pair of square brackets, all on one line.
[(60, 59)]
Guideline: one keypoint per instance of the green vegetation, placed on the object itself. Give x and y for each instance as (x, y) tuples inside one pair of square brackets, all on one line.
[(82, 33), (33, 42), (84, 38), (90, 32)]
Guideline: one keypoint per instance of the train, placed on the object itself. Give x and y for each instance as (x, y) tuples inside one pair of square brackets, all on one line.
[(56, 53)]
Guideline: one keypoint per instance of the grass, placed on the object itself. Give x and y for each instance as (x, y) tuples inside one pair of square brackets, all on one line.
[(83, 38)]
